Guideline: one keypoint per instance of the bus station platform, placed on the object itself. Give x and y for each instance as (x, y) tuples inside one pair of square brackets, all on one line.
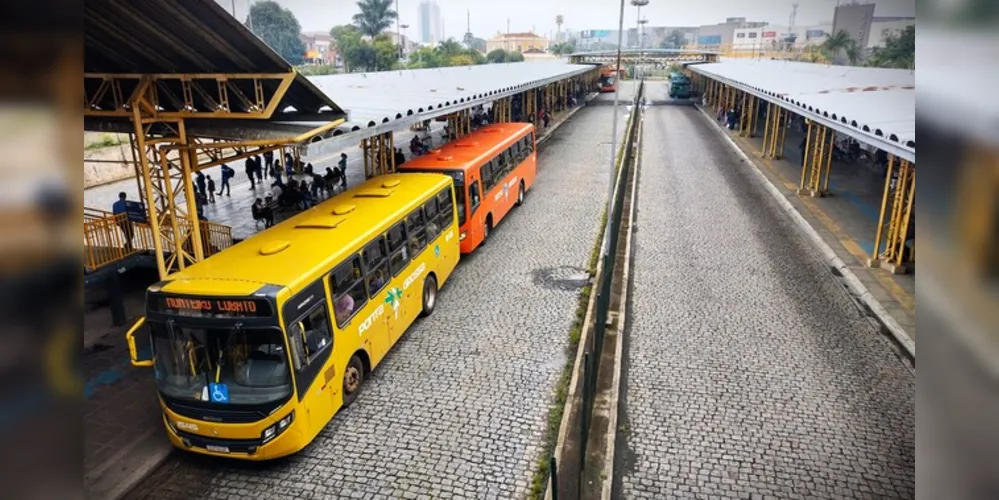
[(124, 436), (846, 217)]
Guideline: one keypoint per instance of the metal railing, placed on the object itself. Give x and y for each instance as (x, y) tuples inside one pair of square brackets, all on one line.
[(606, 268), (110, 238)]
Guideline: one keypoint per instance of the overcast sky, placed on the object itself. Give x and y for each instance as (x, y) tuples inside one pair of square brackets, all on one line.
[(490, 16)]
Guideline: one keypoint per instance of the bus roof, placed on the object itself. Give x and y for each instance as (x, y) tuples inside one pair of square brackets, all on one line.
[(296, 251), (471, 150)]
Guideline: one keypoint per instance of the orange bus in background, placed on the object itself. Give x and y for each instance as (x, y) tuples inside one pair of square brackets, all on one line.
[(608, 80), (492, 168)]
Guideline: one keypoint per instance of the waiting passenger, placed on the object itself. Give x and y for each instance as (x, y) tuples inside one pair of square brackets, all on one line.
[(377, 281)]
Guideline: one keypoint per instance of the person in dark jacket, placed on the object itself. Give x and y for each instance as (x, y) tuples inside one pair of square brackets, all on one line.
[(227, 173), (249, 173)]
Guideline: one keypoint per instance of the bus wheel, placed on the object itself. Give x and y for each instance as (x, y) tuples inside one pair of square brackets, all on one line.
[(520, 194), (353, 377), (429, 296)]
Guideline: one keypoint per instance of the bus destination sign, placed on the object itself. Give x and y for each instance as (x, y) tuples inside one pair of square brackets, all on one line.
[(214, 307)]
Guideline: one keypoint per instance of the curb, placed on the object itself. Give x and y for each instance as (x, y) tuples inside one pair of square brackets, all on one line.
[(129, 467), (573, 390), (614, 401), (852, 282)]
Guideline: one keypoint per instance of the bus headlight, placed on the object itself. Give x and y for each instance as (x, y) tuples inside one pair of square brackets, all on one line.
[(272, 431)]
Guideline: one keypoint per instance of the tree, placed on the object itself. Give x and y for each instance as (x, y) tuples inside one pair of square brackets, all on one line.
[(375, 17), (558, 23), (515, 56), (279, 29), (898, 52), (449, 48), (350, 44), (386, 54), (837, 43), (852, 52), (562, 48), (496, 56), (461, 60), (423, 57), (478, 45)]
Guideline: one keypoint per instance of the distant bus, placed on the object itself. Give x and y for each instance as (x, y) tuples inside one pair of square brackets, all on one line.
[(256, 348), (679, 85), (608, 80), (493, 168)]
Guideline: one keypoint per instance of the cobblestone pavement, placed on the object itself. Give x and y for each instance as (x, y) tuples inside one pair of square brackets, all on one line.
[(749, 373), (459, 407)]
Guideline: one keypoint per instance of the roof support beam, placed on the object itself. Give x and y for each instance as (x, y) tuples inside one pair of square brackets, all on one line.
[(201, 95)]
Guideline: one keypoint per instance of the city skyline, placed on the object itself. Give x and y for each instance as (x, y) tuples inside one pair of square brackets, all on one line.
[(489, 18)]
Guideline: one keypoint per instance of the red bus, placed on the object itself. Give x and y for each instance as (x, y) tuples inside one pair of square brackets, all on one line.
[(493, 168), (608, 79)]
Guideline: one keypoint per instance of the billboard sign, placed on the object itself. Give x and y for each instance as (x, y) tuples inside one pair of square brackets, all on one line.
[(594, 34), (814, 34), (769, 34)]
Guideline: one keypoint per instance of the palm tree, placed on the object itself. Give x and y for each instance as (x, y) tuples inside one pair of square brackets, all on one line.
[(375, 17), (836, 43), (449, 48), (558, 23)]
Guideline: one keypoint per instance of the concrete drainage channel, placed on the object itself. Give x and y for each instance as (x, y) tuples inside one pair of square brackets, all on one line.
[(582, 464)]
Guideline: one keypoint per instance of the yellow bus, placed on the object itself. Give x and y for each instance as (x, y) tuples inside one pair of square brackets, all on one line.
[(256, 348)]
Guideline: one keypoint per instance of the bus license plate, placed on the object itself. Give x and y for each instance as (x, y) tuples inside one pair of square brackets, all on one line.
[(218, 449)]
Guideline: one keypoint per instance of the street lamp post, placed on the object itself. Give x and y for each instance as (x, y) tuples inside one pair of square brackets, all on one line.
[(613, 141), (638, 26), (641, 45)]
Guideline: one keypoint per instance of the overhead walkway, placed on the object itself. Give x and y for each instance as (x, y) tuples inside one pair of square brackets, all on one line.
[(872, 106), (634, 56)]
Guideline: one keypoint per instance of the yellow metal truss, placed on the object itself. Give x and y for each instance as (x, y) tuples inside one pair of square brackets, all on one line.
[(893, 229)]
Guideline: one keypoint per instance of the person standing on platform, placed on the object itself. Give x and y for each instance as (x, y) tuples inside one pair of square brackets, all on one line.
[(199, 182), (121, 207), (227, 173), (211, 190), (259, 168), (249, 173), (342, 165)]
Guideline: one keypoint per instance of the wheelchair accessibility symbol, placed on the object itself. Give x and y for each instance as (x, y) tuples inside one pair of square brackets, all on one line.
[(219, 393)]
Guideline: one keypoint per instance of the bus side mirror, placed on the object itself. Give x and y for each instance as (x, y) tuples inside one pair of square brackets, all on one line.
[(132, 352)]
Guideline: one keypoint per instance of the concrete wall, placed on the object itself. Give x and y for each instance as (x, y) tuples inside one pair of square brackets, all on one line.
[(96, 174), (856, 19)]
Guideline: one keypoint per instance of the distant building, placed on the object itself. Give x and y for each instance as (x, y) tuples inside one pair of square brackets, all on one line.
[(855, 19), (428, 17), (517, 42), (884, 27), (722, 35), (407, 44), (319, 47)]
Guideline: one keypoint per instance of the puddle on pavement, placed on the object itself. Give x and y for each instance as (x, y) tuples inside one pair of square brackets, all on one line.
[(568, 278)]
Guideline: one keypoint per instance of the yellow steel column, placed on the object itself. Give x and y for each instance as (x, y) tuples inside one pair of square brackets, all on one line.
[(785, 121), (153, 215), (368, 173), (828, 163), (873, 261), (391, 141), (766, 131), (188, 158), (902, 198), (805, 155), (743, 114)]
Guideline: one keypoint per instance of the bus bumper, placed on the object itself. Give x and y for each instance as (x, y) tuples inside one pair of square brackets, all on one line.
[(286, 443)]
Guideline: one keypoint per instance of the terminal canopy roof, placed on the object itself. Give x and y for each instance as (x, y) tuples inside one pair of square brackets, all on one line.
[(874, 105), (192, 37)]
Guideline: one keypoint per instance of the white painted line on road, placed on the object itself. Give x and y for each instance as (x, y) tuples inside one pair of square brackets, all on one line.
[(852, 282)]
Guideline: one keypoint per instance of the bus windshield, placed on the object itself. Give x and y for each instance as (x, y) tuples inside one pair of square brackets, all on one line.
[(234, 365)]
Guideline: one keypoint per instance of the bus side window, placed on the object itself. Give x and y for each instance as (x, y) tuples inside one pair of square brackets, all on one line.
[(416, 229), (296, 339), (433, 224), (398, 253), (376, 266), (487, 174), (528, 144), (473, 196), (518, 151), (349, 295), (446, 205), (316, 335), (508, 160)]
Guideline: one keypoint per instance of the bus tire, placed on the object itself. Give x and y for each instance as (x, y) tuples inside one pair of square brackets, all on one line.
[(353, 378), (520, 194), (429, 295)]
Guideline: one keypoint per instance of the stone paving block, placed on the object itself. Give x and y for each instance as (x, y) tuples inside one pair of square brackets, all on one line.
[(745, 357)]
